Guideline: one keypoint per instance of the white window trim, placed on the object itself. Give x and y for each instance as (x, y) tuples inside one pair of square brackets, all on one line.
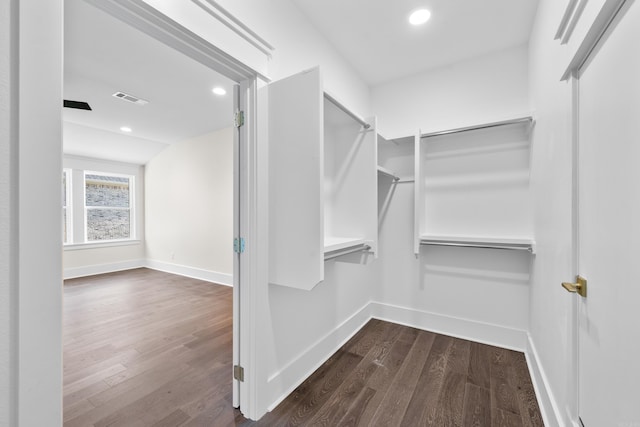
[(101, 244), (68, 206)]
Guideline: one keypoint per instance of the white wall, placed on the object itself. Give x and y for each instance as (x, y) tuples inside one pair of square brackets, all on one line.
[(551, 313), (35, 307), (479, 90), (480, 294), (8, 211), (189, 207), (473, 293), (298, 45), (304, 328), (96, 258)]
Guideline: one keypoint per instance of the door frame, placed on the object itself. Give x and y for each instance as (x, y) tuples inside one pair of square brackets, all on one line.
[(150, 21), (585, 52)]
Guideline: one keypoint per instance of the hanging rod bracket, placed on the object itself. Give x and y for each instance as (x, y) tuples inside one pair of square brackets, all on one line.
[(347, 251)]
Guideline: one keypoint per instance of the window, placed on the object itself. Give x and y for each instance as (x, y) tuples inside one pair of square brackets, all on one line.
[(66, 210), (99, 205), (108, 206)]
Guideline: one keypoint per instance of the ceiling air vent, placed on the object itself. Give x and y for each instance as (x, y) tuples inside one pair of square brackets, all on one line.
[(130, 98)]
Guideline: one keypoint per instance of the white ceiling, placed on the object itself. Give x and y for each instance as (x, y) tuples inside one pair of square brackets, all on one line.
[(104, 55), (375, 37)]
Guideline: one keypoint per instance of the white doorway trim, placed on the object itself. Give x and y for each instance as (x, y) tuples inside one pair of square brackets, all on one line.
[(152, 22), (149, 20), (584, 53)]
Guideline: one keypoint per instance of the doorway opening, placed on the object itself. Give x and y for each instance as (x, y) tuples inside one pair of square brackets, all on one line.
[(160, 121)]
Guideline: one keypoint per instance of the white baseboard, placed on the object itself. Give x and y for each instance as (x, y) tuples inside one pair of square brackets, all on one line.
[(551, 414), (485, 333), (282, 383), (182, 270), (194, 273), (92, 270)]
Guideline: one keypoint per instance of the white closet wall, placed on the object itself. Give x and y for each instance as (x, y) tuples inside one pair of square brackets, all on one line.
[(474, 293), (472, 185), (485, 89)]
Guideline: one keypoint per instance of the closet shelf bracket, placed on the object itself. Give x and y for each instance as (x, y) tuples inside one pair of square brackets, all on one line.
[(387, 172), (339, 253)]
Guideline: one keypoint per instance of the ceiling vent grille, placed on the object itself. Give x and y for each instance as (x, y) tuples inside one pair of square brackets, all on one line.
[(130, 98)]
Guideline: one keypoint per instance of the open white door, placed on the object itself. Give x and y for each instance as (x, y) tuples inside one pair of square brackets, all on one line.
[(237, 245), (609, 226), (248, 252)]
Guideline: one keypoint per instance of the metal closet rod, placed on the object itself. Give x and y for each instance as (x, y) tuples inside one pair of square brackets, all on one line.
[(528, 119), (522, 247), (346, 110)]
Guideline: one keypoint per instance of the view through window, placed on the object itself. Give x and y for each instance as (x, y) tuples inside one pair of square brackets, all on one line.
[(108, 206)]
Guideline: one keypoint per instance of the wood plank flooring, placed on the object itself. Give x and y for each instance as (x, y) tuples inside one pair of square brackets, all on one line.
[(393, 375), (145, 348)]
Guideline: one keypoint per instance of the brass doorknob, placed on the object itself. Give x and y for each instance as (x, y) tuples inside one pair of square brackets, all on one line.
[(580, 287)]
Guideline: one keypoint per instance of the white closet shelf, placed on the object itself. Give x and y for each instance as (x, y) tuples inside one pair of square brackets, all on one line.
[(332, 244), (515, 243), (385, 171), (335, 247)]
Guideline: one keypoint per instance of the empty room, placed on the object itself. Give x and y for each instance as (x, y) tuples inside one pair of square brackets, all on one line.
[(414, 212), (148, 225)]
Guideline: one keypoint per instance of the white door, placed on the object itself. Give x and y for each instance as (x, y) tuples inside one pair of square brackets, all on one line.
[(246, 257), (237, 244), (609, 226)]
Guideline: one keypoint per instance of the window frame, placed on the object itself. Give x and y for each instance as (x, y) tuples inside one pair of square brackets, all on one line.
[(67, 207), (131, 208)]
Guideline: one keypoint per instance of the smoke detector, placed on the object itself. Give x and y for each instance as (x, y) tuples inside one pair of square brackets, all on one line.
[(130, 98)]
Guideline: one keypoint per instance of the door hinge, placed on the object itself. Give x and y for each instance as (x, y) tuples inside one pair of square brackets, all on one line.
[(238, 245), (238, 373), (239, 118)]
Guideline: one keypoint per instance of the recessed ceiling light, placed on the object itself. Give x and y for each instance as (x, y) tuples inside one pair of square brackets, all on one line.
[(219, 91), (126, 129), (419, 17)]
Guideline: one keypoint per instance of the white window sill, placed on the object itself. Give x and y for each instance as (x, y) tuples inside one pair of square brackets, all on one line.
[(98, 245)]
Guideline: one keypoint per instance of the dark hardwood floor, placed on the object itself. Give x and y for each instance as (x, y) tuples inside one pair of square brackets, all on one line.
[(145, 348), (393, 375)]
